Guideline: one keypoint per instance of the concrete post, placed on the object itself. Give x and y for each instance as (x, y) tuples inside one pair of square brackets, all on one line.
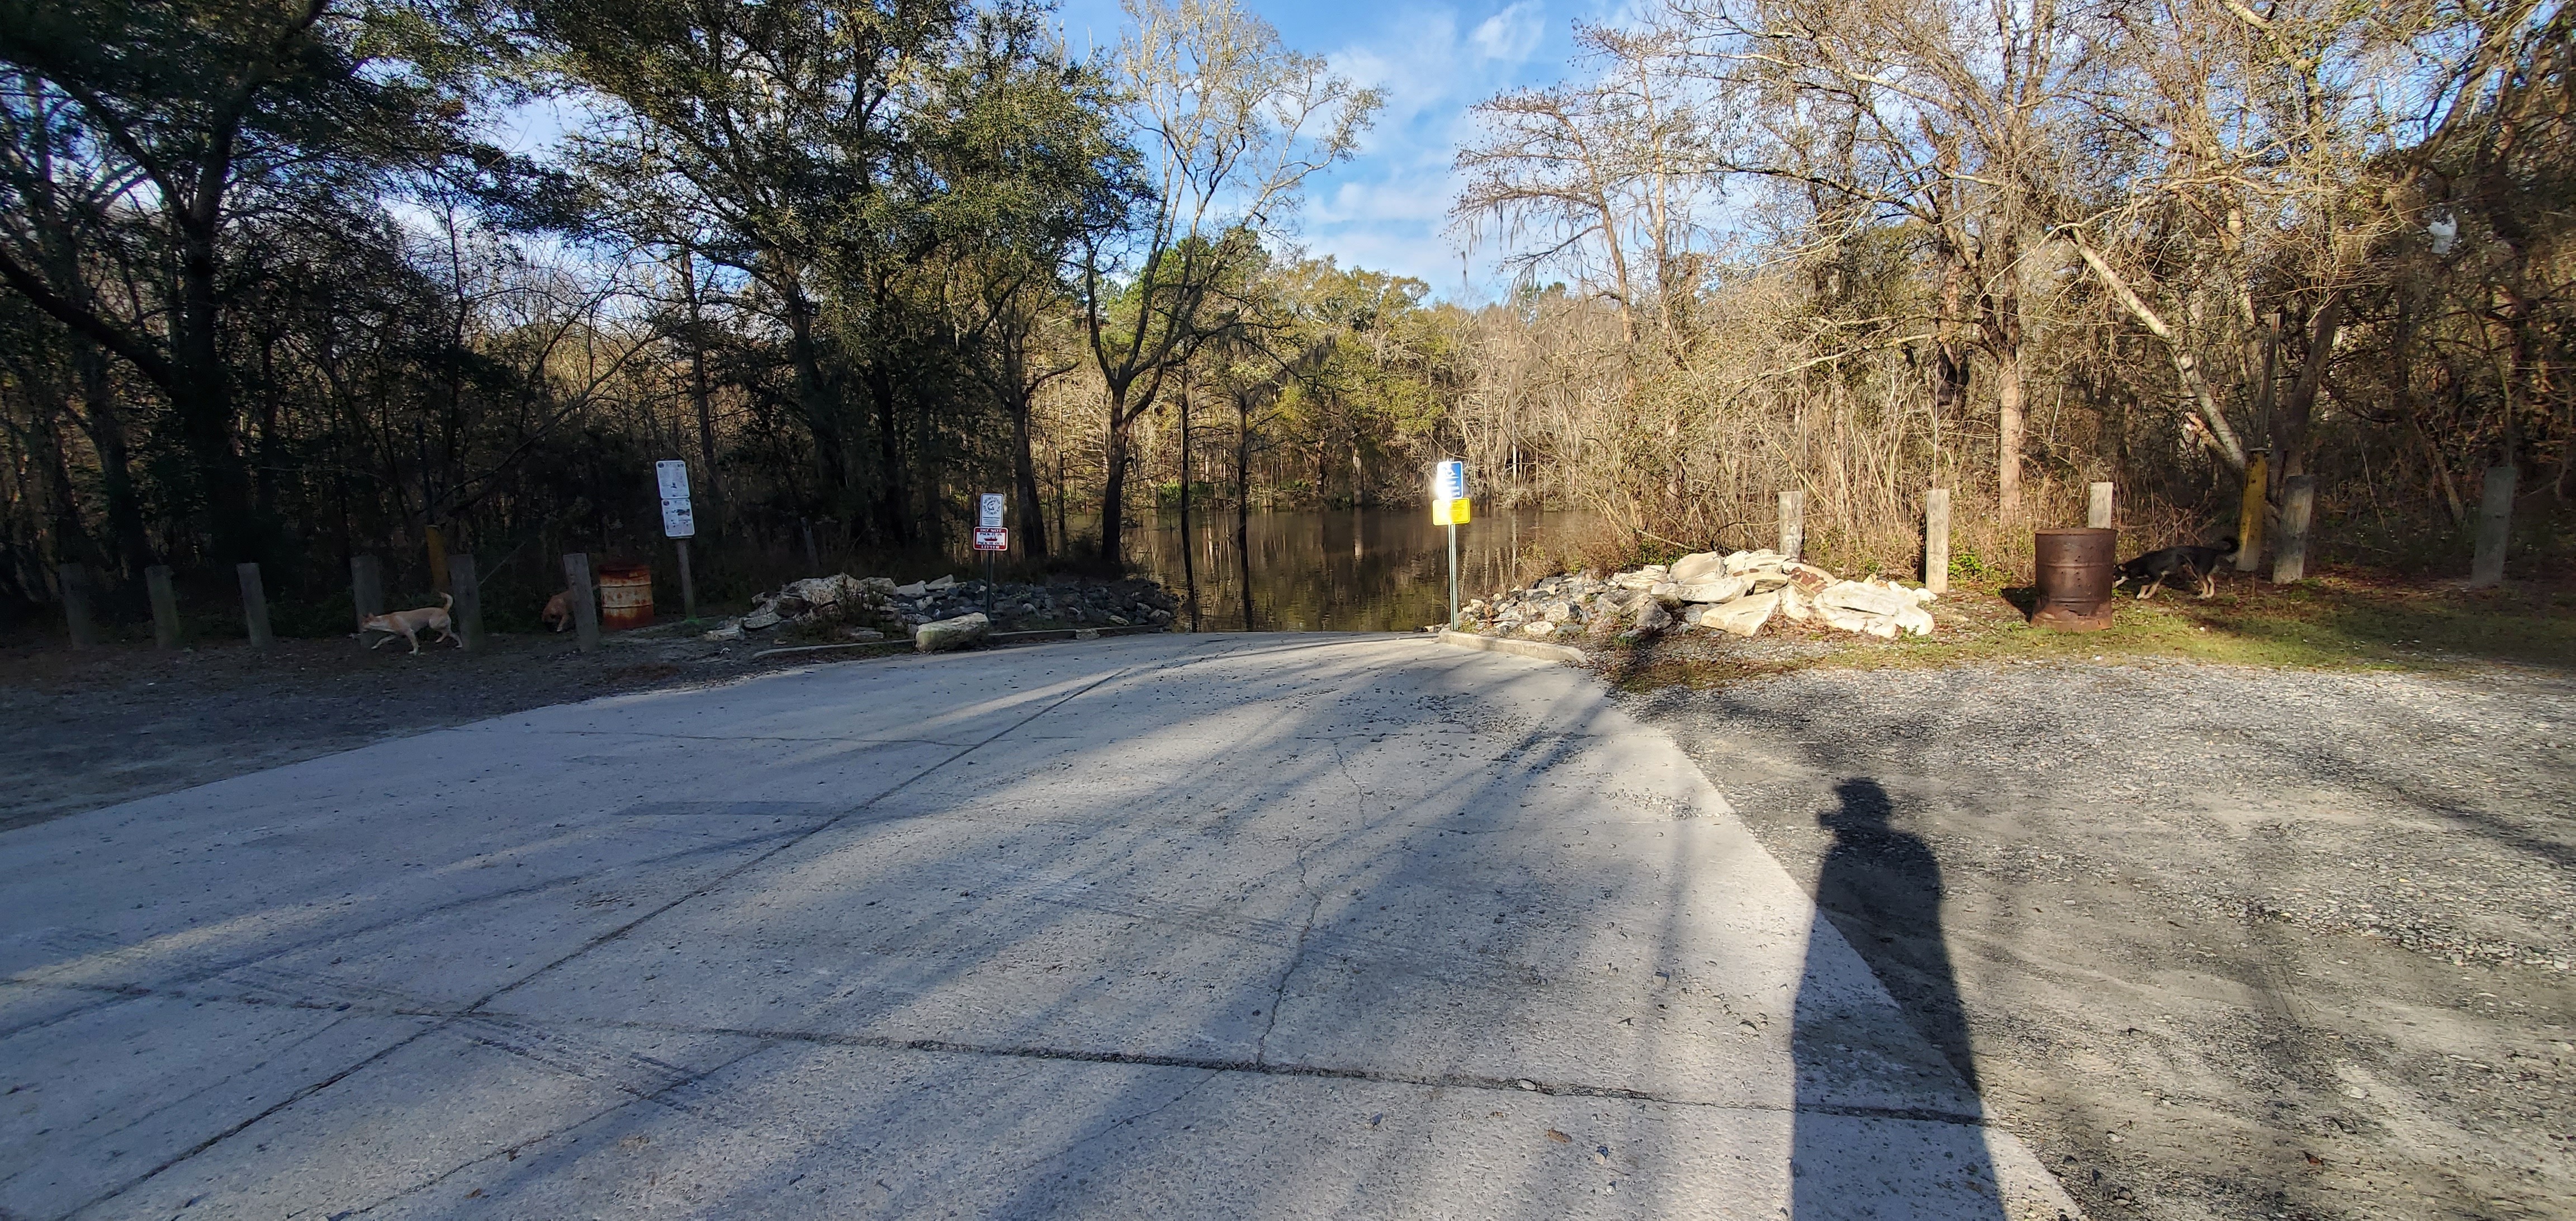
[(254, 605), (76, 610), (1936, 540), (367, 586), (1793, 523), (165, 606), (466, 617), (585, 605), (2298, 501), (2495, 528), (2097, 513), (813, 558), (2250, 510)]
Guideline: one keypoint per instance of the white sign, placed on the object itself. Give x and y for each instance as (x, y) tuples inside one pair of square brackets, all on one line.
[(1449, 481), (678, 520), (989, 511), (992, 538)]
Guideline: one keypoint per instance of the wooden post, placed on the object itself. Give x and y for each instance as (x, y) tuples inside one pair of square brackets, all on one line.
[(2298, 501), (367, 586), (1936, 540), (2097, 513), (84, 632), (688, 584), (2495, 528), (585, 607), (254, 605), (466, 617), (437, 559), (1793, 523), (165, 606), (2249, 512)]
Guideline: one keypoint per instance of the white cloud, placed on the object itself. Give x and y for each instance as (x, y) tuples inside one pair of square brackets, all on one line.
[(1512, 34)]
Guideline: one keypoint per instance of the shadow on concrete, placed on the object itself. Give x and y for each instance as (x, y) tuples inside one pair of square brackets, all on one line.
[(1879, 877)]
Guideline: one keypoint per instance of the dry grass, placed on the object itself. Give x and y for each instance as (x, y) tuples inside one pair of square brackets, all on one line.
[(2340, 619)]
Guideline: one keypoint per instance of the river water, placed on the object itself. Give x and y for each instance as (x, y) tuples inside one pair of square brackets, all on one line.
[(1350, 570)]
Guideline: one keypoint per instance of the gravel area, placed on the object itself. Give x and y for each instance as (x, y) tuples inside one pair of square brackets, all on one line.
[(2220, 942)]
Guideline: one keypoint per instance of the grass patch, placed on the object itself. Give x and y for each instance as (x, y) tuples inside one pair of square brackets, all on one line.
[(2339, 620)]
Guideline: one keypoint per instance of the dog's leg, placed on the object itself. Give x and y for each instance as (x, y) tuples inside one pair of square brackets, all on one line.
[(2150, 590), (2208, 586), (380, 640)]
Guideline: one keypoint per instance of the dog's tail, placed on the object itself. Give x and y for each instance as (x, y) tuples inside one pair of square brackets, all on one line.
[(447, 601)]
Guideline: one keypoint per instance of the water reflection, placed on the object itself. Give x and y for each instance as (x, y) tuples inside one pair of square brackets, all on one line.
[(1355, 570)]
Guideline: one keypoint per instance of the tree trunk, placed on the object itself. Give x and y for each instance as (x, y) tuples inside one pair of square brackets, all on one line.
[(1113, 488), (2297, 410), (201, 396), (2008, 428), (1024, 474), (106, 432)]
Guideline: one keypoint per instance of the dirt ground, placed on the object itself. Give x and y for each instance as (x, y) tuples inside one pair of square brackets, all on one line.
[(2219, 941), (85, 729)]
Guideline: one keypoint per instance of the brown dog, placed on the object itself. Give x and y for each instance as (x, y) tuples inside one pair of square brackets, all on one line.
[(411, 623), (559, 610)]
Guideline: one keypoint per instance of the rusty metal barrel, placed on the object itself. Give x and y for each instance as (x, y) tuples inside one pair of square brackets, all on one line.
[(2075, 569), (625, 597)]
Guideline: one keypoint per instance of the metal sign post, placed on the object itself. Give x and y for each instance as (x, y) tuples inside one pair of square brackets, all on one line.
[(991, 538), (1449, 508), (679, 524)]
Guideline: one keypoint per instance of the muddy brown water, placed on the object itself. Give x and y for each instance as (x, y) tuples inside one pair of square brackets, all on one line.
[(1355, 570)]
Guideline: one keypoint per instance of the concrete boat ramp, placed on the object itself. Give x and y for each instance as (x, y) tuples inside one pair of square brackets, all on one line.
[(1167, 926)]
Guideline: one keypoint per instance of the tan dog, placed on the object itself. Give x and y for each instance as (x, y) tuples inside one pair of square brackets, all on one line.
[(409, 624), (559, 610)]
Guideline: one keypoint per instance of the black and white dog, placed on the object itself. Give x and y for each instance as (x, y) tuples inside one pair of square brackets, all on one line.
[(2197, 564)]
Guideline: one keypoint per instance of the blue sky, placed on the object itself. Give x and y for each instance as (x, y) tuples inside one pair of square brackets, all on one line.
[(1386, 209)]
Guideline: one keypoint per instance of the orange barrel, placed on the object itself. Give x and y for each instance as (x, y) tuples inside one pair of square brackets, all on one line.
[(625, 597), (2074, 578)]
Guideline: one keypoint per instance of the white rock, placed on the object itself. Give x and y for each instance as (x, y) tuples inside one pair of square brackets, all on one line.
[(1742, 617), (1925, 596), (1794, 605), (1915, 620), (1651, 617), (1557, 612), (759, 619), (944, 634), (914, 590), (1868, 599), (730, 629), (944, 582), (1696, 567), (1724, 589), (1743, 561), (1540, 628)]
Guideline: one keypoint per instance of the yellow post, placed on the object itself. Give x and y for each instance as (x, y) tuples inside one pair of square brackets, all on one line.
[(2249, 513)]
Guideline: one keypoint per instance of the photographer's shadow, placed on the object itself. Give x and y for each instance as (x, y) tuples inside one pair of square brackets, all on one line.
[(1887, 1110)]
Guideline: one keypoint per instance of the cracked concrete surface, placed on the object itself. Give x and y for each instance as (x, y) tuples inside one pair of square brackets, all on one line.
[(1173, 925)]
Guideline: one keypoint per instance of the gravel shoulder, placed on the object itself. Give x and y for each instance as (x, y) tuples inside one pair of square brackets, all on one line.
[(2219, 941)]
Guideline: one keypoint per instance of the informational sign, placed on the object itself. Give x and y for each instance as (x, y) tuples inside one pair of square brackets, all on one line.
[(992, 538), (1449, 494), (1448, 480), (678, 519), (988, 511)]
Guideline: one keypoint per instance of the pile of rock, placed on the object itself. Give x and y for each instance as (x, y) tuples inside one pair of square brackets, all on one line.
[(1116, 604), (872, 608), (1735, 593)]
